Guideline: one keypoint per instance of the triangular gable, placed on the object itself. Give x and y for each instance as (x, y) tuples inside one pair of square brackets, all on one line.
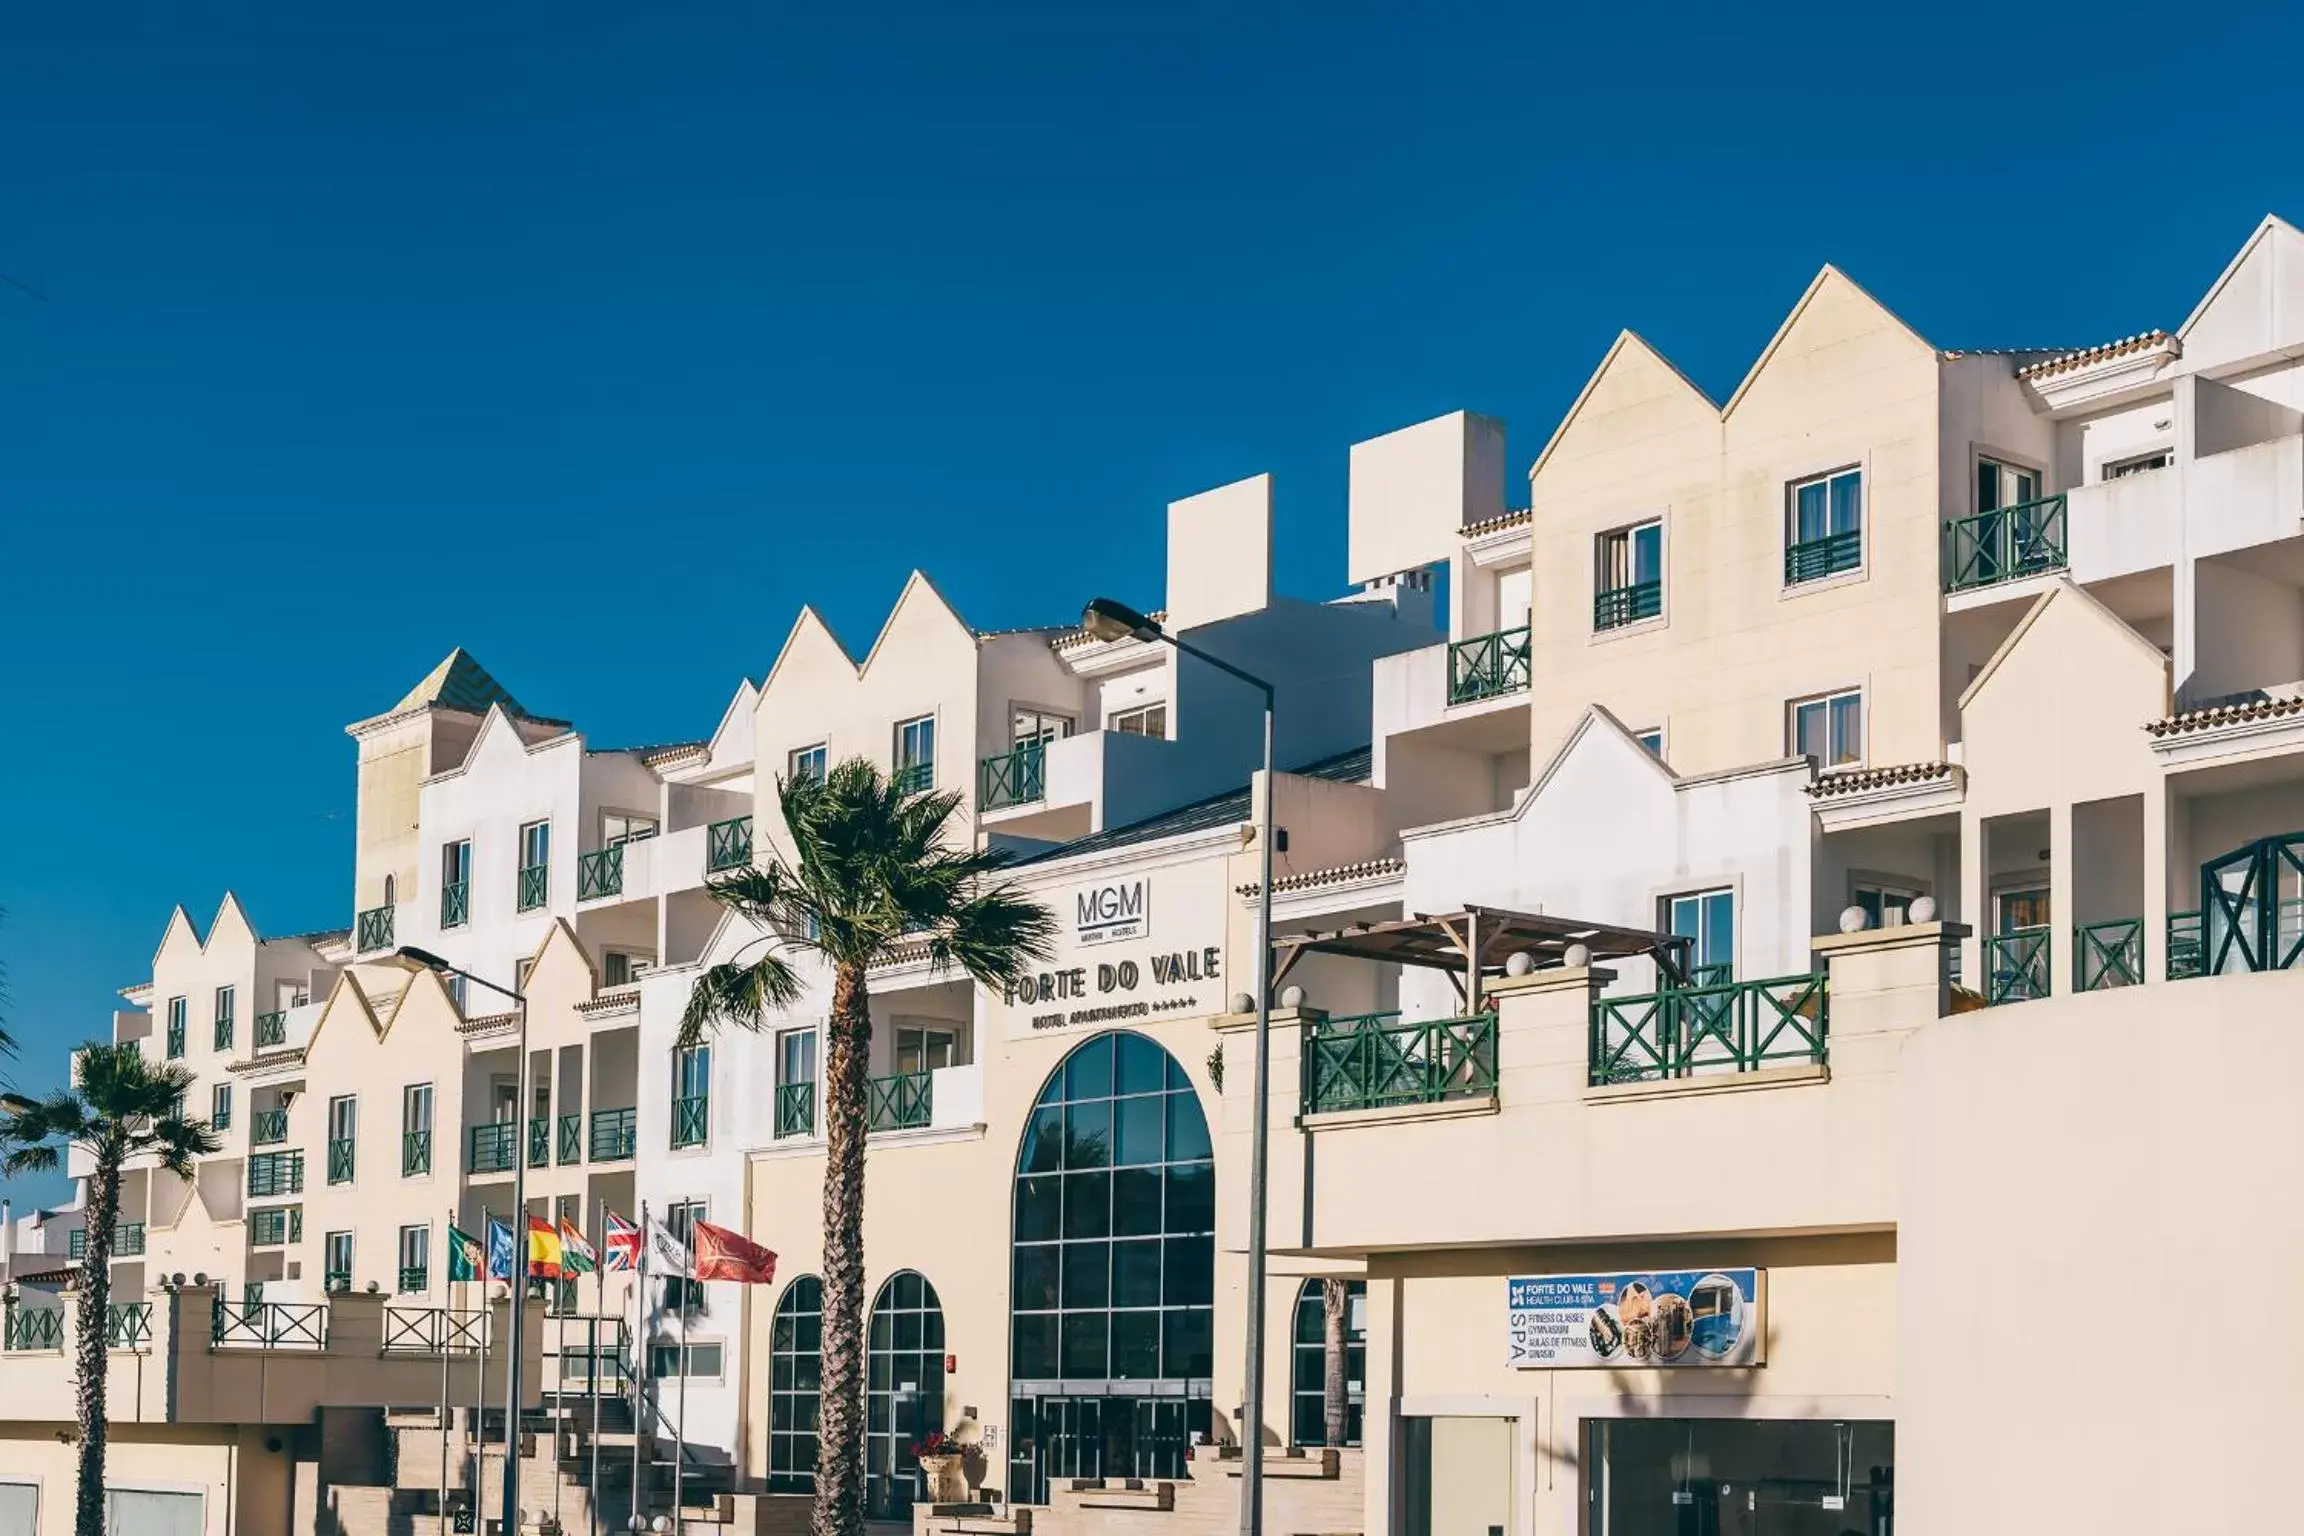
[(458, 683), (2256, 304), (1595, 718), (231, 923), (810, 636), (1629, 350), (497, 724), (560, 949), (425, 986), (918, 590), (2064, 590), (179, 936), (347, 987), (732, 737), (1830, 279)]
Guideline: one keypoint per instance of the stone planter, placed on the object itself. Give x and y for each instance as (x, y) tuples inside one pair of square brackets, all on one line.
[(946, 1478)]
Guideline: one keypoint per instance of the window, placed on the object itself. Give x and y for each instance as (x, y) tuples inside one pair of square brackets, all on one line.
[(618, 969), (337, 1249), (415, 1260), (680, 1218), (796, 1082), (1037, 727), (391, 891), (343, 1131), (1829, 729), (2015, 911), (1143, 720), (703, 1359), (535, 864), (2121, 469), (691, 1095), (456, 883), (1653, 740), (1308, 1425), (795, 1374), (2004, 485), (1707, 919), (415, 1130), (923, 1049), (1884, 906), (805, 763), (1628, 576), (916, 753), (220, 1107), (620, 827), (458, 993), (227, 1002), (176, 1013), (1825, 534), (904, 1398)]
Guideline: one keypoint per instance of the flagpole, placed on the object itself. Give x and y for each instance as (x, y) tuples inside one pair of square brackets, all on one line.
[(480, 1374), (600, 1315), (447, 1319), (557, 1479), (639, 1357), (680, 1427)]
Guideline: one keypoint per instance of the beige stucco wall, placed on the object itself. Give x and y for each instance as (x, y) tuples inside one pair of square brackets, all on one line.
[(244, 1483)]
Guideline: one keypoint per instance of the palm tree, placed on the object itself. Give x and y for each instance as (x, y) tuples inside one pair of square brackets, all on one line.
[(121, 1108), (1335, 1388), (871, 875)]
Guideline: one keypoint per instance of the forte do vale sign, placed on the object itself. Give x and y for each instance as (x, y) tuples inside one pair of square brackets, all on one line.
[(1127, 986)]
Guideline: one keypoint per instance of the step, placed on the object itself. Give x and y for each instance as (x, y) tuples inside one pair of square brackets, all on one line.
[(979, 1520), (1160, 1497)]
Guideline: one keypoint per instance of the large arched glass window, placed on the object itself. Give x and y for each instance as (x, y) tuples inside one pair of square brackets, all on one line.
[(904, 1391), (1113, 1271), (795, 1373), (1308, 1423)]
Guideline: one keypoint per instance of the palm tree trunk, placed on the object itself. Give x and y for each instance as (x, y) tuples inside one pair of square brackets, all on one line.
[(840, 1413), (1335, 1392), (90, 1355)]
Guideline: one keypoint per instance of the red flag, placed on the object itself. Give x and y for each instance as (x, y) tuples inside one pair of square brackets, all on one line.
[(725, 1255), (543, 1250)]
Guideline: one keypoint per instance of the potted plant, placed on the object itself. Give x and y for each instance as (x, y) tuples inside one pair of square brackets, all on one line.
[(943, 1466)]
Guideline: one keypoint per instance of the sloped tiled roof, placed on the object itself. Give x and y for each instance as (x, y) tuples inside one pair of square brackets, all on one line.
[(2209, 719), (1334, 874), (1830, 784), (1511, 518), (2067, 361), (459, 682), (1227, 809)]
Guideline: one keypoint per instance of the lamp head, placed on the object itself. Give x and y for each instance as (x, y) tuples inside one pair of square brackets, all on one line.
[(409, 958), (16, 1104), (1108, 620)]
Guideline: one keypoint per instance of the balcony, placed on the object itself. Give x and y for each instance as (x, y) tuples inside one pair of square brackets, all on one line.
[(2252, 916), (273, 1324), (1634, 604), (914, 778), (374, 929), (2016, 966), (691, 1120), (796, 1109), (33, 1328), (2183, 945), (275, 1173), (615, 1134), (128, 1325), (128, 1240), (2108, 954), (1015, 777), (271, 1030), (456, 904), (727, 845), (2005, 544), (570, 1141), (600, 874), (1488, 666), (415, 1153), (268, 1127), (493, 1148), (902, 1102), (175, 1039), (540, 1142), (277, 1226), (535, 886), (415, 1280), (1815, 559), (341, 1153), (1378, 1060), (222, 1038), (1730, 1026)]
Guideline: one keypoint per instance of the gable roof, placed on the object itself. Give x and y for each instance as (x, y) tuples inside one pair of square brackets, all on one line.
[(1626, 341), (1828, 277), (1227, 809), (2063, 590), (459, 683), (2271, 227), (1595, 717)]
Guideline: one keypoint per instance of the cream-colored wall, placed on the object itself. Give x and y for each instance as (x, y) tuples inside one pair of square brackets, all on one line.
[(1220, 553), (1844, 384), (394, 761), (243, 1482)]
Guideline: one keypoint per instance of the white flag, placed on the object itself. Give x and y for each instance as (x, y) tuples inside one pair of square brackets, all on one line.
[(667, 1256)]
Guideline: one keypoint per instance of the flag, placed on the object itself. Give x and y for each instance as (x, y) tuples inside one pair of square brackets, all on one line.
[(576, 1255), (499, 1251), (623, 1245), (725, 1255), (543, 1250), (464, 1256), (667, 1255)]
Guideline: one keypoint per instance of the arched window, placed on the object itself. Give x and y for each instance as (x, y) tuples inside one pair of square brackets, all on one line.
[(903, 1391), (391, 887), (795, 1372), (1308, 1423), (1114, 1270)]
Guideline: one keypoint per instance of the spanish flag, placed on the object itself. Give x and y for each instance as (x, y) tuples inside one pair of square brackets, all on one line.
[(544, 1252)]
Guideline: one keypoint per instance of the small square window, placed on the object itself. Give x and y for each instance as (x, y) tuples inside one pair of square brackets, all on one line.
[(805, 763), (1829, 729), (2137, 464), (1824, 533), (1628, 575), (1143, 720)]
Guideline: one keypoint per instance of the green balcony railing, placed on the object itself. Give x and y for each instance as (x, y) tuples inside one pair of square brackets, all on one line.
[(335, 1280), (600, 873), (2108, 954), (2016, 966), (913, 778), (2183, 945), (175, 1040), (34, 1328), (270, 1324), (415, 1280), (535, 886), (375, 929), (1488, 666), (415, 1153), (271, 1030), (899, 1103), (691, 1118), (571, 1140), (728, 844), (456, 904), (2252, 907), (540, 1143), (268, 1127), (341, 1163), (796, 1108), (1018, 776), (128, 1325), (1376, 1060), (1620, 606), (1813, 559), (222, 1039), (615, 1134), (2005, 544), (1732, 1026), (269, 1228), (76, 1245), (494, 1148), (128, 1240), (275, 1173)]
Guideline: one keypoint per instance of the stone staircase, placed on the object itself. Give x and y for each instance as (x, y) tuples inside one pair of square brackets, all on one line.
[(1307, 1493)]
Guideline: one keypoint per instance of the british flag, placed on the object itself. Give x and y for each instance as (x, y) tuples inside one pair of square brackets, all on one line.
[(622, 1245)]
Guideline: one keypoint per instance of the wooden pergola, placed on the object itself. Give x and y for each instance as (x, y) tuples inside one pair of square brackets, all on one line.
[(1478, 941)]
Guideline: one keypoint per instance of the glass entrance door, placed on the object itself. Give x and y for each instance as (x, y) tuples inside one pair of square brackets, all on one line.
[(1066, 1437), (1739, 1477)]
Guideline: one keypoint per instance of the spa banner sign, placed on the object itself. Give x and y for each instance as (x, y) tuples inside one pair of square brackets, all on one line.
[(1636, 1321)]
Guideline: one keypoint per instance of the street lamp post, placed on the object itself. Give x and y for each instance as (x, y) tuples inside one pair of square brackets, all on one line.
[(1108, 620), (408, 957)]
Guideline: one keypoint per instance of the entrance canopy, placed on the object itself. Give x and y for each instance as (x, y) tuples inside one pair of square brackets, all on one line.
[(1478, 941)]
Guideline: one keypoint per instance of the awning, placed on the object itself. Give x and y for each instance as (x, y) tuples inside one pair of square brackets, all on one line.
[(1476, 943)]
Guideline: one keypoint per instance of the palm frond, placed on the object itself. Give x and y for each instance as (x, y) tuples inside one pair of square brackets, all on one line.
[(176, 1141), (993, 934), (738, 995), (36, 1157)]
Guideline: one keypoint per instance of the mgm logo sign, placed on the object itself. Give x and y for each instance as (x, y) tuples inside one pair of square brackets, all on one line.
[(1118, 909)]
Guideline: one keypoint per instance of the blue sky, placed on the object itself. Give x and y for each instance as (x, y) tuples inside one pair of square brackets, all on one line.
[(598, 338)]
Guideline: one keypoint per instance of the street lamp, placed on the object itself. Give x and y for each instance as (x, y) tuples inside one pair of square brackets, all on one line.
[(412, 959), (1108, 620)]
